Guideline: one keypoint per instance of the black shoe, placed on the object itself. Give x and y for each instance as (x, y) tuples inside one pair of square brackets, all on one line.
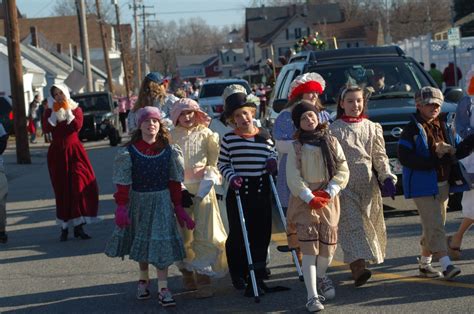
[(79, 233), (238, 283), (267, 273), (3, 237), (63, 236), (263, 286), (249, 290)]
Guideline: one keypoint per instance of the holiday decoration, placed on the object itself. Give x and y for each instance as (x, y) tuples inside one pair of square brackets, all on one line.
[(311, 42)]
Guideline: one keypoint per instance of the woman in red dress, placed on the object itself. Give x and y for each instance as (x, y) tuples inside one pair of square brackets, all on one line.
[(72, 176)]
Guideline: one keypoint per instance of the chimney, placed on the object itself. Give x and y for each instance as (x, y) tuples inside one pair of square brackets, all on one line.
[(34, 36), (59, 48)]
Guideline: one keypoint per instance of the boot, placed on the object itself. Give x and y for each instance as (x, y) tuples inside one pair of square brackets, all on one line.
[(63, 236), (359, 272), (204, 287), (79, 233), (189, 282)]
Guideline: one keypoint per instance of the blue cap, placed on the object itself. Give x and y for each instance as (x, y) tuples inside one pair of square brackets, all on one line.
[(155, 77)]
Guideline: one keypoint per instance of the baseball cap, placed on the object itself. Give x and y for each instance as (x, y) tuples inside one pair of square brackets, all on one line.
[(429, 95)]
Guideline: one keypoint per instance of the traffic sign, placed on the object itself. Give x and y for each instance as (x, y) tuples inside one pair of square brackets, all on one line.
[(454, 37)]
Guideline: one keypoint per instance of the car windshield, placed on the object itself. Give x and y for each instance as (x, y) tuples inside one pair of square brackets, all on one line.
[(390, 79), (93, 103), (216, 90)]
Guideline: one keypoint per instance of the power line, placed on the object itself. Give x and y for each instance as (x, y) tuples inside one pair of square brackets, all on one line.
[(199, 11)]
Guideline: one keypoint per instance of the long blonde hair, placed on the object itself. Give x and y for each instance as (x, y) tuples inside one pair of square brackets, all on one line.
[(149, 91)]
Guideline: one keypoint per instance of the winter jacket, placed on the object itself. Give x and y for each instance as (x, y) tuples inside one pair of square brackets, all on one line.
[(419, 164)]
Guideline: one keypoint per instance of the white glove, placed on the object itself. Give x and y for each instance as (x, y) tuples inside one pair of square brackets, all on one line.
[(204, 188), (53, 119), (69, 116)]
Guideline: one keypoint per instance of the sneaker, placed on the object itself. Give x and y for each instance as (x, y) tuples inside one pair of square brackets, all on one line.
[(326, 288), (427, 270), (451, 272), (143, 292), (314, 304), (166, 298)]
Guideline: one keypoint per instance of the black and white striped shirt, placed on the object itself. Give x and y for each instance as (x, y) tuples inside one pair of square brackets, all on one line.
[(245, 157)]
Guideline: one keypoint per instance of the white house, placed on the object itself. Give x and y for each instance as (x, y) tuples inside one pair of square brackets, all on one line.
[(34, 77)]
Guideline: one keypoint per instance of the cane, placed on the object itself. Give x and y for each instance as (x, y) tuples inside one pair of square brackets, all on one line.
[(283, 220), (247, 246)]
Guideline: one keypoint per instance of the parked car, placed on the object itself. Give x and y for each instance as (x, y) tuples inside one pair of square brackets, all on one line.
[(6, 114), (101, 120), (391, 108), (210, 95)]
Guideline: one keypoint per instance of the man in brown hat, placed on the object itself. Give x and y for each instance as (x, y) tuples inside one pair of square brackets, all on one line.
[(430, 172)]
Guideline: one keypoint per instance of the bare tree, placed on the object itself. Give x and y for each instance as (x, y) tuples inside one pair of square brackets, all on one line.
[(188, 37), (68, 8)]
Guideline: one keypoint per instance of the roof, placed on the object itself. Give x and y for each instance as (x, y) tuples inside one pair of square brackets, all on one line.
[(350, 30), (262, 21), (53, 28), (42, 58), (26, 64), (205, 60)]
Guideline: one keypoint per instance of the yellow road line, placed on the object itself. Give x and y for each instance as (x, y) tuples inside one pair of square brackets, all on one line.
[(280, 239)]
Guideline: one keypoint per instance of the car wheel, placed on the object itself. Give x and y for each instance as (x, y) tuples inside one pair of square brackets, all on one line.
[(114, 137)]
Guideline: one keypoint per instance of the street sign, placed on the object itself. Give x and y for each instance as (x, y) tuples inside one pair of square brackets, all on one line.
[(454, 37)]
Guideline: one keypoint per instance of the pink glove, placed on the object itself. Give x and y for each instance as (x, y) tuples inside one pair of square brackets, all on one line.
[(236, 182), (121, 217), (183, 218)]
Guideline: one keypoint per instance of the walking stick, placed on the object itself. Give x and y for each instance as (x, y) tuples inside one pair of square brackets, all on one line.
[(283, 220), (247, 246)]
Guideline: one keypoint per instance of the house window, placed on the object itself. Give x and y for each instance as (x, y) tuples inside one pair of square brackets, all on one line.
[(348, 45), (287, 34), (227, 58), (297, 33), (265, 53), (282, 51), (307, 31), (357, 44), (235, 58)]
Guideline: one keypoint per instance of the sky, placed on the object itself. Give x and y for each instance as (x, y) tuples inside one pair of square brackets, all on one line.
[(214, 12)]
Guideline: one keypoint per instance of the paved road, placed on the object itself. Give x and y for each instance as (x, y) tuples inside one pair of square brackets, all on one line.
[(39, 274)]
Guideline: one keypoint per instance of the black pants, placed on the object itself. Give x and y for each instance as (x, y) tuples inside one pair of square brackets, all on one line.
[(256, 202), (123, 120)]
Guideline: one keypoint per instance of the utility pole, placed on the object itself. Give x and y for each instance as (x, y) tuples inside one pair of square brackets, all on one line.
[(122, 48), (144, 15), (12, 33), (454, 50), (103, 36), (85, 43), (137, 44)]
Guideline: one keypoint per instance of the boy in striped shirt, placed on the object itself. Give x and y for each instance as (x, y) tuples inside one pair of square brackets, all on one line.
[(247, 157)]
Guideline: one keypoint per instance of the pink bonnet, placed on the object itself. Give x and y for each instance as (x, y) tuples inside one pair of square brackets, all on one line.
[(187, 104)]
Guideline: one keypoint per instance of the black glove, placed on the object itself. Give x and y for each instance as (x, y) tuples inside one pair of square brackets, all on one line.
[(447, 159), (186, 198), (465, 148)]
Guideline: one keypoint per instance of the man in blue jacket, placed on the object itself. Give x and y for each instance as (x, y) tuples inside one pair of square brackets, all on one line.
[(429, 151)]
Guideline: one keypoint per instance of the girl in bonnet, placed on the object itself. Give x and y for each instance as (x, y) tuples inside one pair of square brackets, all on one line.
[(148, 173), (205, 245), (71, 173)]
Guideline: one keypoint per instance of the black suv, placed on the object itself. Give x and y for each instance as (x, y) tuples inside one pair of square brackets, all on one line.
[(100, 117), (391, 107)]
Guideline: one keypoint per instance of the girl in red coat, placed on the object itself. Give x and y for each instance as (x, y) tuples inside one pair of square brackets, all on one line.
[(72, 176)]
